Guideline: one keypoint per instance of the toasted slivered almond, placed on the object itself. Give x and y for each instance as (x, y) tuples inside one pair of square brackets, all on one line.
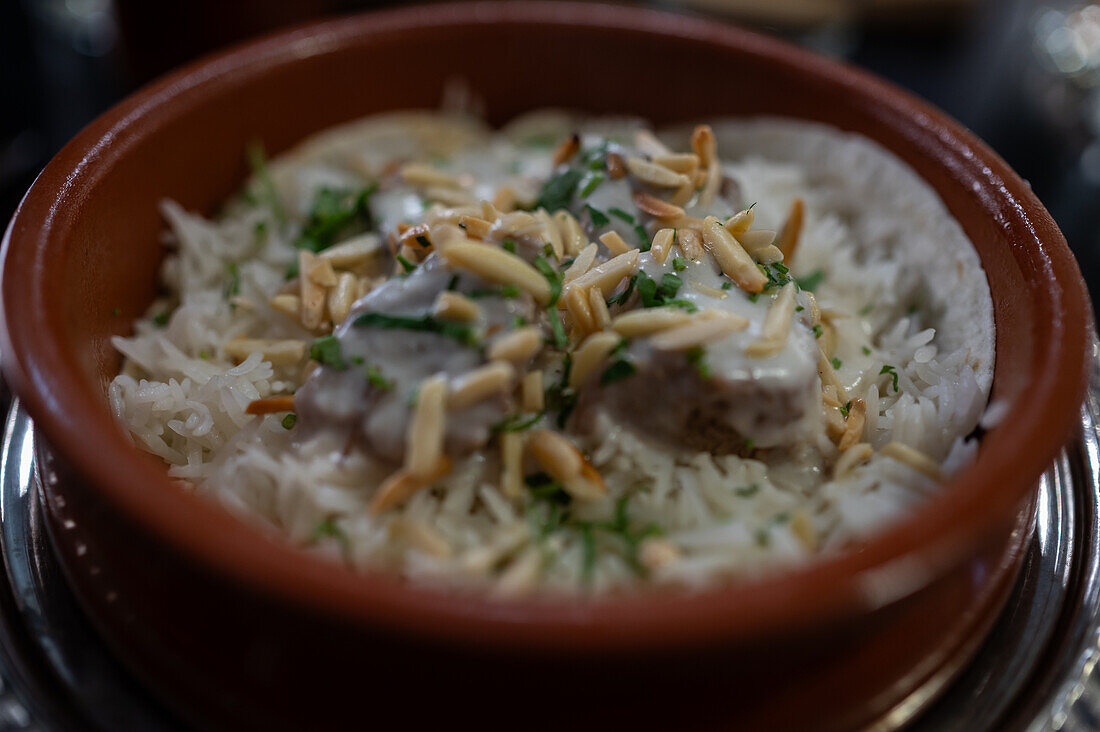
[(689, 222), (792, 230), (590, 356), (853, 426), (815, 310), (828, 338), (521, 576), (638, 323), (655, 175), (353, 251), (455, 306), (601, 317), (489, 211), (704, 144), (474, 227), (424, 439), (777, 325), (557, 455), (803, 528), (286, 304), (340, 298), (755, 240), (581, 264), (416, 237), (615, 243), (496, 265), (550, 233), (657, 208), (648, 144), (505, 199), (852, 457), (915, 459), (732, 257), (576, 302), (240, 301), (420, 535), (366, 284), (418, 174), (608, 275), (449, 196), (312, 294), (686, 163), (655, 553), (768, 255), (662, 244), (828, 376), (709, 291), (572, 236), (401, 485), (517, 346), (699, 332), (532, 396), (517, 223), (616, 166), (496, 377), (588, 485), (511, 463), (271, 405), (691, 243), (444, 235), (566, 149), (683, 194), (740, 222)]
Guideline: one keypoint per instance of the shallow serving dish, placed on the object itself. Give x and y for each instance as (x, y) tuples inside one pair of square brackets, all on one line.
[(236, 630)]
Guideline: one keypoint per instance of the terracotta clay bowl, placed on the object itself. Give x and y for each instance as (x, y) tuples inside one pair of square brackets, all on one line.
[(236, 630)]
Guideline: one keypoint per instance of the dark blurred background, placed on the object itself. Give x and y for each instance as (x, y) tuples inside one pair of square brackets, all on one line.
[(1023, 74)]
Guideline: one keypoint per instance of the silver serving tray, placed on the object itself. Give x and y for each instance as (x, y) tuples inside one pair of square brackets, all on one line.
[(1034, 672)]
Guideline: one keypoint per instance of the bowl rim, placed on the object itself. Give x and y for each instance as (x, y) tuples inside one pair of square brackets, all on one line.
[(889, 566)]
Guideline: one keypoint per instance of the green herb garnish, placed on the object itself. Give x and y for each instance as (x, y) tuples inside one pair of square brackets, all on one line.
[(747, 491), (622, 296), (893, 372), (405, 264), (697, 357), (558, 190), (590, 183), (866, 351), (817, 330), (837, 363), (617, 371), (679, 264), (619, 213), (516, 423), (560, 339), (508, 245), (161, 319), (377, 380), (257, 162), (289, 420), (599, 218), (232, 284), (464, 334), (335, 215), (811, 281), (846, 408), (553, 278), (326, 350)]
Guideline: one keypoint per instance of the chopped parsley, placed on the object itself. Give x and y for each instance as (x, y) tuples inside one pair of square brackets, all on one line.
[(727, 285), (679, 264), (553, 278), (452, 284), (837, 363), (506, 291), (763, 534), (747, 491), (508, 245), (599, 218), (289, 420), (161, 319), (750, 444), (590, 183), (423, 241), (516, 423), (405, 264), (326, 350), (697, 357), (778, 274), (558, 190), (846, 408), (460, 332), (644, 244), (866, 351), (232, 285), (817, 330), (204, 355), (620, 214), (335, 215), (625, 294), (257, 162), (560, 339), (656, 294), (866, 309), (893, 372), (560, 397), (328, 529), (619, 369), (376, 379), (811, 281)]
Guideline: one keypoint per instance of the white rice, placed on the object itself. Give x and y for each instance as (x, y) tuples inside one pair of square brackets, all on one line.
[(184, 400)]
